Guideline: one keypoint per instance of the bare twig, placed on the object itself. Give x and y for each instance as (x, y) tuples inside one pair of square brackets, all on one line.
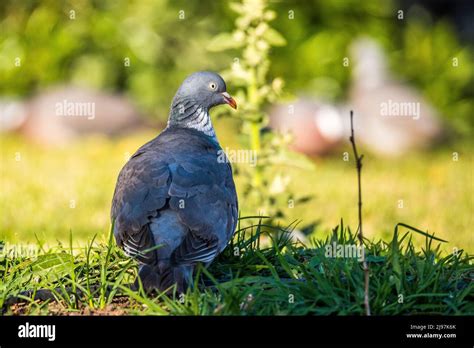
[(359, 234)]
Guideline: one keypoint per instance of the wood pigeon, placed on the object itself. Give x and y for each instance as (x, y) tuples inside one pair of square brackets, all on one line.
[(317, 126), (175, 203), (63, 114), (375, 96)]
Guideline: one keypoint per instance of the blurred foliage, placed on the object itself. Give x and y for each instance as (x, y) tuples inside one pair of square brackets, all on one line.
[(166, 40), (138, 47), (420, 51)]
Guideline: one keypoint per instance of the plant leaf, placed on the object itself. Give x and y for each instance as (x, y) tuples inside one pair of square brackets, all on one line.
[(274, 38), (222, 42), (414, 229), (395, 259), (54, 265)]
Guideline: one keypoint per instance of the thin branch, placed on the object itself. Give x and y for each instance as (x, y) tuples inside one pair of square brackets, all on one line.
[(360, 234)]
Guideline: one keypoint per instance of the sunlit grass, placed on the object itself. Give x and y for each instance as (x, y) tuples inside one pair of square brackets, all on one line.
[(278, 278), (48, 193), (427, 190)]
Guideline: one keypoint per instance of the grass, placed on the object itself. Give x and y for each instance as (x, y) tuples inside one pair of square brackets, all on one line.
[(262, 272), (51, 192), (58, 200)]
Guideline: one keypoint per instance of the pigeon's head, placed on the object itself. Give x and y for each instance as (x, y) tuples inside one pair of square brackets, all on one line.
[(196, 95), (206, 89)]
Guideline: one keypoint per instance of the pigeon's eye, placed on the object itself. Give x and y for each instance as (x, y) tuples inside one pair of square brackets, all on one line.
[(213, 86)]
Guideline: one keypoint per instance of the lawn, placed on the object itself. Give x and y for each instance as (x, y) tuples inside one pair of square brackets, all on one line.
[(57, 201), (249, 278), (47, 193)]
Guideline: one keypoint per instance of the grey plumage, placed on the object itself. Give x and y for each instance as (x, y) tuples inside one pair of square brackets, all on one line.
[(175, 203)]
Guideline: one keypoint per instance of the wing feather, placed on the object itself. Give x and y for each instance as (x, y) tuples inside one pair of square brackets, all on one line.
[(178, 171)]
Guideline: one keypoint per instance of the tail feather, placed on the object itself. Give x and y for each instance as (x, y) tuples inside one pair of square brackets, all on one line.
[(155, 278)]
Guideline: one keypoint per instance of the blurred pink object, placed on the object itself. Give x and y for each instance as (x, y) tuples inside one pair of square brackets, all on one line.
[(389, 116), (317, 127), (62, 114)]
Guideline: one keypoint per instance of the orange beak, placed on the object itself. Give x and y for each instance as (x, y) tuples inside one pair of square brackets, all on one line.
[(229, 100)]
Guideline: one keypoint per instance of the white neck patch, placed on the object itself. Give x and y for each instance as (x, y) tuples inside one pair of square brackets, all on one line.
[(203, 124)]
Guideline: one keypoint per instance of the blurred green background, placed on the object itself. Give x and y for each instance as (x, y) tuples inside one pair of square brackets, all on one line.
[(90, 49), (166, 40)]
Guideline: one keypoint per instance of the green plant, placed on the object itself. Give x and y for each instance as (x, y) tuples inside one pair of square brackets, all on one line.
[(264, 189)]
